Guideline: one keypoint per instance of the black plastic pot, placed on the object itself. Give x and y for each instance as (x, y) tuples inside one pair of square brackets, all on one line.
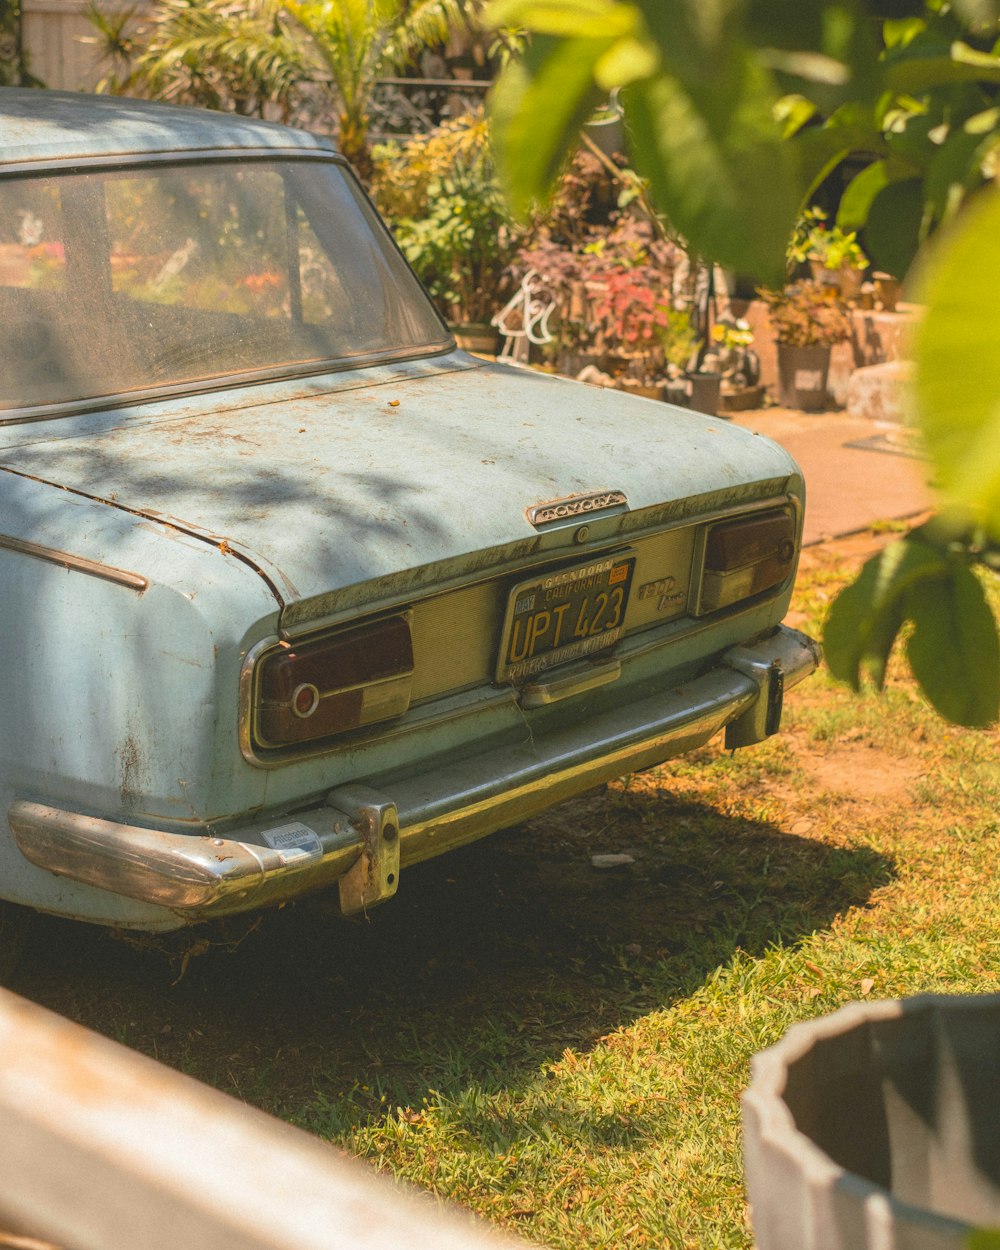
[(705, 392), (877, 1128), (802, 376), (475, 336)]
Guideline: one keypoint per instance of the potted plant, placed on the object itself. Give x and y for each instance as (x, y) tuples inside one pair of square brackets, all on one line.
[(610, 275), (834, 256), (441, 198), (732, 356), (807, 321)]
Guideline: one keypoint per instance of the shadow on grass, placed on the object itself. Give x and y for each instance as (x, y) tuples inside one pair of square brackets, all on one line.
[(488, 963)]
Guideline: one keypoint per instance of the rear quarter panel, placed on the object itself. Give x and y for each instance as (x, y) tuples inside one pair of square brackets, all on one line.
[(118, 702)]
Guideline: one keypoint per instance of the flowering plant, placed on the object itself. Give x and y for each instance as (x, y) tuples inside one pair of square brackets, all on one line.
[(805, 315), (440, 196), (828, 246), (730, 334), (630, 309)]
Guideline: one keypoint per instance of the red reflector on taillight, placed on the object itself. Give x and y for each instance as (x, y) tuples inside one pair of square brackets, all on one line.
[(305, 699), (356, 677), (745, 557)]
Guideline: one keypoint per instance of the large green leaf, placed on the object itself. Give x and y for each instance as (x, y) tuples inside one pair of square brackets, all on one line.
[(868, 614), (820, 149), (958, 360), (862, 190), (570, 19), (729, 186), (913, 75), (826, 51), (955, 169), (953, 650), (700, 109), (859, 634), (894, 228), (539, 104)]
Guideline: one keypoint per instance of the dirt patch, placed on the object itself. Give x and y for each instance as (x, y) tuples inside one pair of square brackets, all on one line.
[(860, 771)]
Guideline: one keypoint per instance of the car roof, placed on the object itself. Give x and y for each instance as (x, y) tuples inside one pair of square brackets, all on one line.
[(39, 125)]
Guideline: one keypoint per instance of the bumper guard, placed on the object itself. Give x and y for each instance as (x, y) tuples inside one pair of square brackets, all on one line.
[(362, 834)]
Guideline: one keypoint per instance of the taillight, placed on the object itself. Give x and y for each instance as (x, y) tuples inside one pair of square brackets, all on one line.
[(745, 557), (341, 682)]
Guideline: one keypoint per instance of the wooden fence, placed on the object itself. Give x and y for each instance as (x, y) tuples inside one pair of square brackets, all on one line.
[(54, 36), (104, 1149)]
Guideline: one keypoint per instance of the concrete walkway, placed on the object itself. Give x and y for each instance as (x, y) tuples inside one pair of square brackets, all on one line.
[(848, 487)]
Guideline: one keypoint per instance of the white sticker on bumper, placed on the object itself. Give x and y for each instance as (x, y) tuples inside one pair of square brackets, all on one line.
[(295, 842)]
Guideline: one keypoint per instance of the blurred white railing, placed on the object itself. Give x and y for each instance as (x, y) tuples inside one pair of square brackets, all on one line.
[(104, 1149)]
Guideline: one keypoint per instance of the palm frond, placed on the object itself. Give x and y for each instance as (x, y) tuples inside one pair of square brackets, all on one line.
[(428, 22), (213, 49)]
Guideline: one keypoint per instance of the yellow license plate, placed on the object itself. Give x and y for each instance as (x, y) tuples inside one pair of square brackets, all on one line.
[(563, 615)]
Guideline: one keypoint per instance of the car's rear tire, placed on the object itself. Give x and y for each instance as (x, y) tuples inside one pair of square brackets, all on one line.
[(15, 923)]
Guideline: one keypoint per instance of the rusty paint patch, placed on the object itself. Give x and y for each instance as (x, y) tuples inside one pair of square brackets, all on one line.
[(132, 768)]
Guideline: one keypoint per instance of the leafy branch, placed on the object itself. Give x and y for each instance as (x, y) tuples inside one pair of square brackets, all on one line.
[(736, 111)]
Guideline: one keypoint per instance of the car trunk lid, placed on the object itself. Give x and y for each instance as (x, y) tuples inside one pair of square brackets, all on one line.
[(385, 485)]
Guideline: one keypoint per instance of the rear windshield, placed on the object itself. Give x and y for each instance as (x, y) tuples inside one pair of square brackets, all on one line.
[(114, 282)]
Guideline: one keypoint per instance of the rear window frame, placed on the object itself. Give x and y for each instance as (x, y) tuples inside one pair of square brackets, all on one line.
[(291, 371)]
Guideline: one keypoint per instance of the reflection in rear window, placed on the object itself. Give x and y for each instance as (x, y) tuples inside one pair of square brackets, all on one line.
[(114, 282)]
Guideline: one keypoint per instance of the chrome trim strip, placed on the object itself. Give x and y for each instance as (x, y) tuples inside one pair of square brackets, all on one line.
[(245, 715), (137, 159), (75, 564), (439, 809), (586, 676)]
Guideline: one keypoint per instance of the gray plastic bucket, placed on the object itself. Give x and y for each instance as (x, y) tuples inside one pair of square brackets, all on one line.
[(877, 1128)]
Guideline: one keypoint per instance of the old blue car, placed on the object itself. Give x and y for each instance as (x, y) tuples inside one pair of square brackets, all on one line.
[(295, 593)]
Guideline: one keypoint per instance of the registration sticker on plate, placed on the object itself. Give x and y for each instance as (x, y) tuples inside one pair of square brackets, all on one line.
[(563, 615)]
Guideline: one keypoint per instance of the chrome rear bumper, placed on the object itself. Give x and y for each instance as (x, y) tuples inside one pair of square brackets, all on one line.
[(363, 833)]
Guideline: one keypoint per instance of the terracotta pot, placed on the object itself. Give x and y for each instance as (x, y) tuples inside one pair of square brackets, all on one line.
[(802, 376), (742, 398), (886, 291), (849, 280)]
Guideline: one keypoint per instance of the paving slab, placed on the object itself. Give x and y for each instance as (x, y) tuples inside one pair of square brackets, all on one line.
[(858, 472)]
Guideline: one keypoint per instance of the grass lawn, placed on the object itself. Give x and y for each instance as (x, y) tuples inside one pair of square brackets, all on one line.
[(562, 1049), (853, 856)]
